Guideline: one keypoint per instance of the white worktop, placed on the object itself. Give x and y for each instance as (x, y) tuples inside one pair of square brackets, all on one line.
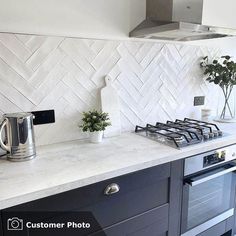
[(66, 166)]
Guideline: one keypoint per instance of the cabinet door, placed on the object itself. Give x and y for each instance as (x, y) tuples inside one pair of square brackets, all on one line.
[(151, 223), (1, 226), (147, 203), (139, 192)]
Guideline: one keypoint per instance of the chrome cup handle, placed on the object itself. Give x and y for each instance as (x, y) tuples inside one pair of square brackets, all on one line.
[(112, 189), (2, 145)]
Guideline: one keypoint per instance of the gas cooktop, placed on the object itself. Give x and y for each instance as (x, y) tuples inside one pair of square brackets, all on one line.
[(181, 133)]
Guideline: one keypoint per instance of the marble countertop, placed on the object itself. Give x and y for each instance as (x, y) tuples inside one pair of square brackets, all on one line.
[(66, 166)]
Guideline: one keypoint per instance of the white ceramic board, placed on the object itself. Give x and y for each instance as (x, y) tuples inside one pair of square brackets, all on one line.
[(111, 105)]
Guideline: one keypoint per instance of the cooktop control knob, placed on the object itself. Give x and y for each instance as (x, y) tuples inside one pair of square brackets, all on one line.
[(211, 135), (216, 133)]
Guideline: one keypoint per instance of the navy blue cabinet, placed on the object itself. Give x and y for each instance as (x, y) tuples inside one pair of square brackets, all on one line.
[(147, 202), (1, 228), (151, 223)]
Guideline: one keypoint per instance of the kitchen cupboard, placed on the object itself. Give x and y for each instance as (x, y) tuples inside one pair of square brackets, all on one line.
[(1, 228), (151, 223), (146, 202)]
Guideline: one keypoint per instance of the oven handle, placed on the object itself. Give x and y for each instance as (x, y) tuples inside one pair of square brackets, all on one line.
[(210, 177)]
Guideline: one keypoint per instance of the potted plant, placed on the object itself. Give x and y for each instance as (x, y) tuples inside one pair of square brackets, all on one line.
[(95, 122), (222, 72)]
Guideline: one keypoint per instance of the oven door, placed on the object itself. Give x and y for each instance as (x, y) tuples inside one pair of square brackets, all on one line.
[(208, 199)]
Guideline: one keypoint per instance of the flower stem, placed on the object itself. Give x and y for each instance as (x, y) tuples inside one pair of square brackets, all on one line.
[(227, 92)]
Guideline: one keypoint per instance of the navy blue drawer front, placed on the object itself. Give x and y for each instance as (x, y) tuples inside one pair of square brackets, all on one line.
[(139, 192), (130, 203), (1, 226), (151, 223)]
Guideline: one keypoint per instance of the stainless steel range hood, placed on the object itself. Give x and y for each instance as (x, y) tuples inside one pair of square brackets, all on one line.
[(179, 20)]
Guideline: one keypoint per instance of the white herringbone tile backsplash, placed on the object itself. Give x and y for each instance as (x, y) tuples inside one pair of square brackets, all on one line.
[(155, 81)]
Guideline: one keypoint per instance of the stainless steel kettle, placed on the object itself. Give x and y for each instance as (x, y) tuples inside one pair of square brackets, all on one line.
[(19, 136)]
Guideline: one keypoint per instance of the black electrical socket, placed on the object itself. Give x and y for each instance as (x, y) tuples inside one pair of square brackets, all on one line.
[(199, 101), (43, 117)]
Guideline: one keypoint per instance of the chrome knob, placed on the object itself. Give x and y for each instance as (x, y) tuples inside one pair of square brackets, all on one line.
[(111, 189), (216, 133), (211, 135)]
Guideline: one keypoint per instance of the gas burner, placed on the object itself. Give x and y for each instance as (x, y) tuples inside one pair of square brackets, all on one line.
[(178, 139), (181, 133)]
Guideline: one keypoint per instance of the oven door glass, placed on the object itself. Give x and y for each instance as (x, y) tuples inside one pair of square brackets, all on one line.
[(208, 196)]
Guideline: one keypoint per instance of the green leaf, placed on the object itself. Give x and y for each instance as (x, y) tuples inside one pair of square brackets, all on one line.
[(222, 72), (94, 121), (217, 80), (226, 57)]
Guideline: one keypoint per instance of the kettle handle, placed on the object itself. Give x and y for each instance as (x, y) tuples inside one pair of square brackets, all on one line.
[(2, 145)]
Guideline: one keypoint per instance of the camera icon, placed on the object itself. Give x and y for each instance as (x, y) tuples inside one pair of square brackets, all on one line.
[(14, 223)]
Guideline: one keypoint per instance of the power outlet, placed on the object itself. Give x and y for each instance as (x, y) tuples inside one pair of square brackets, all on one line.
[(199, 101), (43, 117)]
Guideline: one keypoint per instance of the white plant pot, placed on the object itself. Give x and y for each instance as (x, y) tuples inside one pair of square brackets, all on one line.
[(96, 137)]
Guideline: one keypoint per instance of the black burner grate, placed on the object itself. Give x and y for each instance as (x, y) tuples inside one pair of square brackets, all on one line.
[(180, 133)]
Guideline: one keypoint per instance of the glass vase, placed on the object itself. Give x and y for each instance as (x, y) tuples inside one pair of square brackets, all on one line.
[(226, 105)]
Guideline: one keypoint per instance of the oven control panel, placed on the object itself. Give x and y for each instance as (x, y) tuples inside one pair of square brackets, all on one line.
[(214, 158), (206, 160)]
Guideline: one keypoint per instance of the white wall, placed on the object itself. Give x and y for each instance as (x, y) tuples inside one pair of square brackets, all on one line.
[(155, 81), (78, 18), (219, 13), (226, 45), (104, 19)]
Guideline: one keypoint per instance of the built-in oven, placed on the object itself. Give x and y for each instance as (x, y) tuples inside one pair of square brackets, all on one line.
[(208, 191)]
